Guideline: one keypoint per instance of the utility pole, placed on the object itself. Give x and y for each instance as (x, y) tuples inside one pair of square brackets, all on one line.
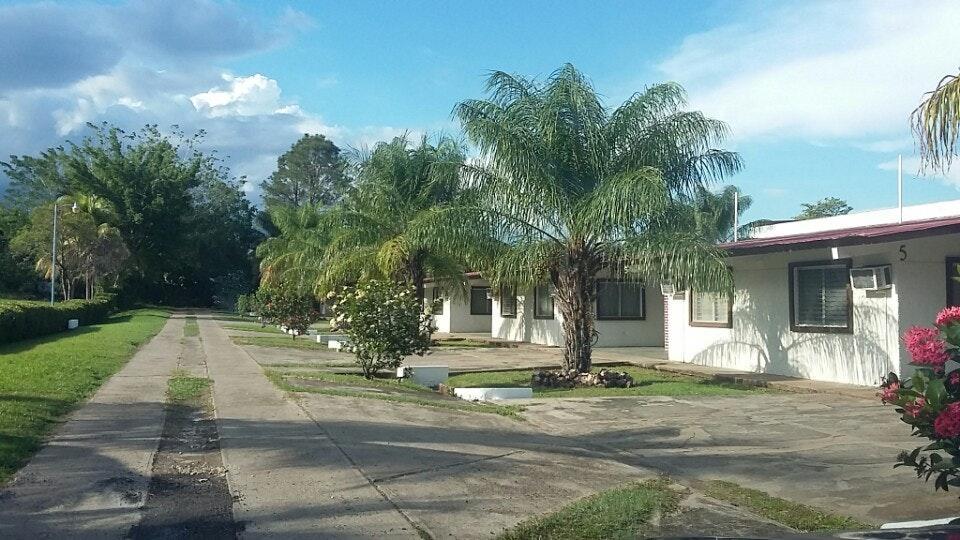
[(53, 258), (736, 216)]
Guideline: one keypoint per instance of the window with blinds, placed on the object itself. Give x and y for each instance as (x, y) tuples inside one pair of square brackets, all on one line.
[(480, 304), (620, 300), (543, 302), (508, 302), (710, 309), (820, 297)]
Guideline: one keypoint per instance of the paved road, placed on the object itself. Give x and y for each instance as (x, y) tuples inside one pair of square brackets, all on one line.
[(90, 480)]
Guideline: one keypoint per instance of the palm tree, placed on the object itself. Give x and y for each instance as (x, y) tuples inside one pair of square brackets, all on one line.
[(565, 189), (714, 213), (370, 230), (289, 259), (936, 123)]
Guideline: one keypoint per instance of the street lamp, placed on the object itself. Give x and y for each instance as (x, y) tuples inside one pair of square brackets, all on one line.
[(53, 258)]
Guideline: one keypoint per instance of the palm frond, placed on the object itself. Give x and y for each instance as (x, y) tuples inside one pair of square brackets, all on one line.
[(936, 124)]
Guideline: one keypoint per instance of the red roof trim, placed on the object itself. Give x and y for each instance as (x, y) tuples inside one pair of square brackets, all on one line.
[(871, 234)]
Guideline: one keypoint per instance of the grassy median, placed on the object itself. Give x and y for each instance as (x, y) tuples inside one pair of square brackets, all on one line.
[(43, 379)]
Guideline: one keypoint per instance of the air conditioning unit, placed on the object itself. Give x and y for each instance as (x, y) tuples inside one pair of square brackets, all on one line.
[(668, 289), (871, 278)]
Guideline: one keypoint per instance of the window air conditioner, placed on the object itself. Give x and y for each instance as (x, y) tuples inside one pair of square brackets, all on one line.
[(667, 289), (871, 278)]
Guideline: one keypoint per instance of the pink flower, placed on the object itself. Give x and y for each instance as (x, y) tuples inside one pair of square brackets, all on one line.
[(926, 347), (948, 315), (913, 409), (947, 423), (890, 393), (954, 378)]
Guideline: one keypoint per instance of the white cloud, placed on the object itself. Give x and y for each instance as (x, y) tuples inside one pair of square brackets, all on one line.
[(912, 167), (243, 96), (843, 70)]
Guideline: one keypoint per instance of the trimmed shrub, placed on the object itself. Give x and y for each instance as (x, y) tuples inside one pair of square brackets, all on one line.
[(21, 319)]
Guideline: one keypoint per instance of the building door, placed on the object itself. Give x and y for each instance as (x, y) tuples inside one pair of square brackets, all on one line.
[(953, 281)]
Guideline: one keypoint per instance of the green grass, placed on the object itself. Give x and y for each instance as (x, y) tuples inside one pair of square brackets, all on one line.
[(43, 379), (794, 515), (252, 327), (182, 387), (647, 382), (350, 379), (308, 343), (509, 411), (190, 327), (621, 512)]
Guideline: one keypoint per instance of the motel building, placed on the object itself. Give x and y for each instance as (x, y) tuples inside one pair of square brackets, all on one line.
[(824, 299)]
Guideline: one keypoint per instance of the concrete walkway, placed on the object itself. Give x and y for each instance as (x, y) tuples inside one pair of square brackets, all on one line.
[(91, 478)]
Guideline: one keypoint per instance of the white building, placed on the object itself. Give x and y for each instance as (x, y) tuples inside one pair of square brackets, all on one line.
[(628, 314), (464, 311), (794, 311)]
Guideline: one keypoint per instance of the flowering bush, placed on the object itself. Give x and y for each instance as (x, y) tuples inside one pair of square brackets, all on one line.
[(289, 309), (384, 322), (929, 401)]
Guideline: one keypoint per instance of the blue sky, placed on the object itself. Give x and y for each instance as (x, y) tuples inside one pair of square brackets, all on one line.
[(817, 95)]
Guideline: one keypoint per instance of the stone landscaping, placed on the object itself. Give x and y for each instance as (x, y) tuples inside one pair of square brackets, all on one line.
[(606, 378)]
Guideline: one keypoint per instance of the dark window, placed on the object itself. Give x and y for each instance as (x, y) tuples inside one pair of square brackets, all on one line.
[(621, 300), (953, 285), (480, 304), (820, 299), (508, 302), (438, 301), (711, 309), (543, 302)]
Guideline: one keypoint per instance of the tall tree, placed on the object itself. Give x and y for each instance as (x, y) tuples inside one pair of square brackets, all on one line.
[(36, 180), (566, 189), (936, 123), (16, 272), (312, 172), (370, 233), (826, 207), (714, 213)]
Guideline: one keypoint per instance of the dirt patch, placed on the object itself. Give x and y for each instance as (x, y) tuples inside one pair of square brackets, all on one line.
[(188, 495)]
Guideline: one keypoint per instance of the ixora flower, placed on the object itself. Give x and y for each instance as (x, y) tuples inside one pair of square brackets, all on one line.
[(947, 423), (926, 347), (914, 408), (890, 392), (947, 316)]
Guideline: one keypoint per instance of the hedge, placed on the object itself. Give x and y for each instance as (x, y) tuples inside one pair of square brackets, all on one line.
[(21, 319)]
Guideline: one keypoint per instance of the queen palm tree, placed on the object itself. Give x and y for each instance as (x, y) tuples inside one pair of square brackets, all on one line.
[(714, 213), (564, 189), (936, 123), (369, 232), (289, 259)]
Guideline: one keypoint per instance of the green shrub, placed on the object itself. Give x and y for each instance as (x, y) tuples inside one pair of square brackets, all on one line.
[(22, 319), (384, 323)]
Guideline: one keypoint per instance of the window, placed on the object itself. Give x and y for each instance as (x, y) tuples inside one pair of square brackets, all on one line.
[(480, 304), (438, 301), (820, 299), (508, 302), (953, 286), (624, 300), (711, 309), (543, 302)]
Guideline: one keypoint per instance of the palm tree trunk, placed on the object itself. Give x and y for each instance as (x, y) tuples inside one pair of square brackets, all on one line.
[(575, 299), (417, 277)]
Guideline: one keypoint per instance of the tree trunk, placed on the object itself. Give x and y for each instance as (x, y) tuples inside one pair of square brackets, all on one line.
[(574, 297), (417, 277)]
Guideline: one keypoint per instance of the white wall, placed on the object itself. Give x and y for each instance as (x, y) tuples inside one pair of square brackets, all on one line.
[(525, 328), (761, 339), (456, 315)]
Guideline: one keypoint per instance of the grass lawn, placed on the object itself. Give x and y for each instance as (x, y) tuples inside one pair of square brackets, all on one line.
[(648, 382), (182, 387), (794, 515), (408, 392), (618, 513), (252, 327), (283, 342), (43, 379), (190, 327)]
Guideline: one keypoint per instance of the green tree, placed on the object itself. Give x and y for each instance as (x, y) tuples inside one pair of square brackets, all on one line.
[(714, 213), (16, 272), (290, 258), (936, 123), (564, 189), (826, 207), (36, 180), (312, 172), (370, 232)]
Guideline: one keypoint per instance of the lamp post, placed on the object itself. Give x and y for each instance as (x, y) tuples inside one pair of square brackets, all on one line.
[(53, 258)]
